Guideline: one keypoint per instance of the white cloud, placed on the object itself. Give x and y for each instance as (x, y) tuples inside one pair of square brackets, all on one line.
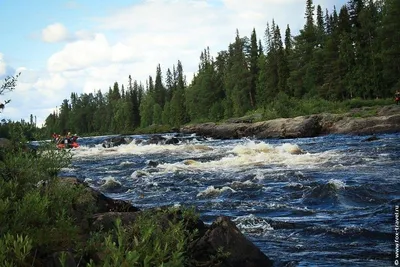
[(54, 33), (57, 33), (80, 54)]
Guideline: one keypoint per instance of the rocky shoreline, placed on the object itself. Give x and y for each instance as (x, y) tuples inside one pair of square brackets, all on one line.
[(204, 250), (361, 121)]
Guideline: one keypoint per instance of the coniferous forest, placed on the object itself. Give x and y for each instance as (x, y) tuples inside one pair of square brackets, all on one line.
[(340, 54)]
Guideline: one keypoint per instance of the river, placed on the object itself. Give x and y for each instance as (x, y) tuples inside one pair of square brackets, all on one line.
[(323, 201)]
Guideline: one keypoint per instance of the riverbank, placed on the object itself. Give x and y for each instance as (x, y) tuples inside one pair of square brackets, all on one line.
[(359, 121), (157, 233)]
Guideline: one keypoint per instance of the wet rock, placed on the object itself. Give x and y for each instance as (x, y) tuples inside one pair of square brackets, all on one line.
[(172, 141), (156, 139), (116, 141), (102, 202), (223, 242), (152, 163), (371, 138)]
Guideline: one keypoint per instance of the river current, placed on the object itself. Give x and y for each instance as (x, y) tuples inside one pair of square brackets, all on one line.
[(324, 201)]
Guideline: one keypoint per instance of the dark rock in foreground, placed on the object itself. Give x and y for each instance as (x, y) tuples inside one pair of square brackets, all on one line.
[(223, 234)]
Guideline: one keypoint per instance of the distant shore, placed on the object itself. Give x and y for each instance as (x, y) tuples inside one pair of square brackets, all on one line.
[(359, 121)]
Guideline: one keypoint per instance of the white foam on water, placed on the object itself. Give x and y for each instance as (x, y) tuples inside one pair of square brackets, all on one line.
[(88, 180), (126, 163), (247, 155), (138, 149), (253, 154), (211, 191), (68, 169), (252, 224), (110, 183), (245, 185), (139, 173), (338, 184)]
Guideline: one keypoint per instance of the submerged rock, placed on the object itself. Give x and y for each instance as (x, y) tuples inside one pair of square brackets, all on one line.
[(371, 138)]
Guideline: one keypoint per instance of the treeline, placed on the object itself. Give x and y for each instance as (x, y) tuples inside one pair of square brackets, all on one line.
[(353, 52)]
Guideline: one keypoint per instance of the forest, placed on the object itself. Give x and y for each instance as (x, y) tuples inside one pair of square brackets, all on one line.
[(339, 55)]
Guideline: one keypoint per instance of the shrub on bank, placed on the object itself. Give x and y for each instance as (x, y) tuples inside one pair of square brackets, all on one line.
[(284, 106), (39, 216)]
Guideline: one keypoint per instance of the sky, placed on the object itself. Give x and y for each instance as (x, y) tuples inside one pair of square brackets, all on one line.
[(82, 46)]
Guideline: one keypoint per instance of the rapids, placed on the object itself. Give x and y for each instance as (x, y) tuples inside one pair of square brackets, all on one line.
[(324, 201)]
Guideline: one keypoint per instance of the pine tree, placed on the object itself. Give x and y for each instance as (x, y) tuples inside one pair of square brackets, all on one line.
[(159, 89), (281, 61), (390, 40), (134, 102), (177, 107), (271, 65), (303, 76), (254, 54), (238, 78)]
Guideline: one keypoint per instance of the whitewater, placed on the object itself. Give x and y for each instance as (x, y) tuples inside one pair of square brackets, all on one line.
[(323, 201)]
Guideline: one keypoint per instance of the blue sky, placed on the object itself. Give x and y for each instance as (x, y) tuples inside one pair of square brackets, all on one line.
[(63, 46)]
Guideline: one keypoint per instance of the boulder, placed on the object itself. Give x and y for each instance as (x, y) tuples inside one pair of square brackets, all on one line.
[(220, 131), (224, 242), (367, 126), (116, 141), (305, 126), (156, 139), (102, 202)]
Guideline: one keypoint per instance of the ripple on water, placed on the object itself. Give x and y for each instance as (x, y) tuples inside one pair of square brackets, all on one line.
[(323, 201)]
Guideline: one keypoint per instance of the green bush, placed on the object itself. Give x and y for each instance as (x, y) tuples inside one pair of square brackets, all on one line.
[(284, 105), (155, 239), (29, 196), (14, 249), (41, 212)]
